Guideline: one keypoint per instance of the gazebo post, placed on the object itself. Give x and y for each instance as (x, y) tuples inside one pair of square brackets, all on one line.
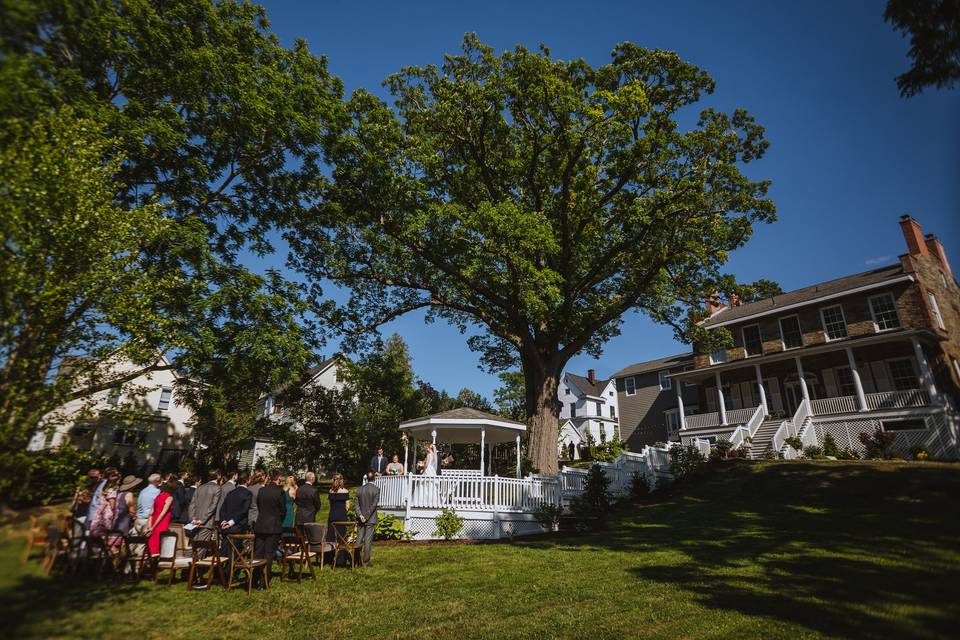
[(406, 468), (433, 434), (518, 455), (490, 459), (483, 438)]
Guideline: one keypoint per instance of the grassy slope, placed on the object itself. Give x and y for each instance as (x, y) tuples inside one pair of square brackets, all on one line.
[(754, 551)]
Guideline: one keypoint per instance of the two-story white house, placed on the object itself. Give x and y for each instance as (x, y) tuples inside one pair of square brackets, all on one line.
[(326, 374), (588, 413), (142, 416)]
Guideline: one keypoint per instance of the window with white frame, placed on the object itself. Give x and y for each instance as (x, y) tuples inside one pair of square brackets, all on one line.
[(689, 383), (603, 434), (613, 411), (752, 343), (936, 310), (630, 386), (834, 324), (129, 437), (566, 391), (165, 394), (883, 310), (599, 409), (672, 419), (666, 383), (845, 386), (573, 409), (903, 377), (790, 332), (718, 356)]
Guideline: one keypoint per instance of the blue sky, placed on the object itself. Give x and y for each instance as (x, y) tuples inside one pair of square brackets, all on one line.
[(847, 155)]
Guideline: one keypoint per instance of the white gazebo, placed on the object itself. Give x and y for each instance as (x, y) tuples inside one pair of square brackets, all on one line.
[(491, 506), (466, 426)]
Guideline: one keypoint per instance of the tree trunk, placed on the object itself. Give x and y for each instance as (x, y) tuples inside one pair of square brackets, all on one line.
[(543, 425)]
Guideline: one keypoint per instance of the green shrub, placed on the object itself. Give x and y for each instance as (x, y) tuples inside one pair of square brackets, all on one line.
[(879, 444), (795, 443), (448, 524), (685, 461), (548, 516), (390, 527), (608, 451), (919, 452), (591, 509), (639, 487), (830, 447), (848, 454), (43, 477), (812, 451)]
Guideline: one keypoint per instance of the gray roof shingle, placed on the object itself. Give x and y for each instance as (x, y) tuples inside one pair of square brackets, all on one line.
[(670, 362), (586, 387)]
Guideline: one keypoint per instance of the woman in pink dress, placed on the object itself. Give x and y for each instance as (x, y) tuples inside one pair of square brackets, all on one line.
[(160, 518)]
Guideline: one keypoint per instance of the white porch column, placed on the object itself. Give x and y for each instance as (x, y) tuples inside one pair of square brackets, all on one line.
[(803, 383), (763, 392), (406, 452), (721, 403), (518, 455), (855, 374), (483, 439), (925, 373), (413, 440), (683, 422)]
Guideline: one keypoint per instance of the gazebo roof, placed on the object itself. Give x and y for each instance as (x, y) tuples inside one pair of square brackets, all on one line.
[(463, 426)]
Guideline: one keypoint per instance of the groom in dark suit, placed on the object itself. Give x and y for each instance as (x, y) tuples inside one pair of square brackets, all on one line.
[(308, 500), (379, 462)]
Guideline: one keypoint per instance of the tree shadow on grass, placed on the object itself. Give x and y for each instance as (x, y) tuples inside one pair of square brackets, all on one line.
[(845, 549)]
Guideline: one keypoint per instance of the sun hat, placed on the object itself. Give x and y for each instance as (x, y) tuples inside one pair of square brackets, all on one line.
[(129, 482)]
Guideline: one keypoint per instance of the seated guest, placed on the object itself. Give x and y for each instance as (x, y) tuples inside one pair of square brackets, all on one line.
[(235, 512), (395, 468), (307, 501)]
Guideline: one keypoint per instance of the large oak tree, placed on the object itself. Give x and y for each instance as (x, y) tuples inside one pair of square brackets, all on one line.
[(534, 201)]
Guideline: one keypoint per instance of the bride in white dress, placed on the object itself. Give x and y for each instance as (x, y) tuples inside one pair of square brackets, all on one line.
[(429, 494)]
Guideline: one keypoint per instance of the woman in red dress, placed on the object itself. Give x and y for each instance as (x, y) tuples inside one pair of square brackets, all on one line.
[(160, 518)]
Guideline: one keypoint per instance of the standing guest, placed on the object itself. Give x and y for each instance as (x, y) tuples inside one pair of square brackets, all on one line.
[(203, 507), (378, 463), (271, 508), (339, 505), (95, 497), (290, 497), (160, 520), (235, 512), (256, 483), (307, 500), (145, 503), (106, 506), (368, 499), (395, 468), (180, 504), (445, 459), (229, 485), (84, 494), (126, 506)]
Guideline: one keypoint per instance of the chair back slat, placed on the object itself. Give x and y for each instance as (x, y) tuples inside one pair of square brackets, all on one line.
[(168, 546), (241, 548)]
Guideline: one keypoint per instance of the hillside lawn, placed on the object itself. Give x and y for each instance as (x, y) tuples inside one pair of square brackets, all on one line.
[(751, 550)]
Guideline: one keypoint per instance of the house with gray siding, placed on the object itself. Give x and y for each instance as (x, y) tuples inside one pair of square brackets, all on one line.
[(647, 398)]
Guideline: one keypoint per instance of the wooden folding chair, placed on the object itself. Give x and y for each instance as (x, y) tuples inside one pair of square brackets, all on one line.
[(139, 556), (58, 544), (36, 537), (94, 555), (241, 559), (295, 553), (345, 540), (168, 560), (316, 539), (206, 555)]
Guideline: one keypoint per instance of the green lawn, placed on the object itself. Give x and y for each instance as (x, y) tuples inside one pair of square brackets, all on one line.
[(762, 550)]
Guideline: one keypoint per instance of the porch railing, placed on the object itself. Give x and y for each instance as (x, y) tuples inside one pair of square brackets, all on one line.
[(702, 420), (875, 402), (792, 427), (740, 416)]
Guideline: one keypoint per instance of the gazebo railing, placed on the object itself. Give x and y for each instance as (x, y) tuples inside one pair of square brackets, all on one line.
[(467, 492)]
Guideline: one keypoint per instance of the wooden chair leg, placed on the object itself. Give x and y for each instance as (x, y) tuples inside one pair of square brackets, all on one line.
[(249, 581), (26, 552)]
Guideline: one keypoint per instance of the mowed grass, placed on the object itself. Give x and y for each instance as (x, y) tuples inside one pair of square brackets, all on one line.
[(753, 550)]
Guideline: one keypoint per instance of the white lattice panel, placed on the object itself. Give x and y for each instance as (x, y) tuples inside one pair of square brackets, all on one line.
[(940, 437)]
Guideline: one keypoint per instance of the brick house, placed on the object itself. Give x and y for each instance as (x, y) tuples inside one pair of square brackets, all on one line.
[(648, 400), (875, 349)]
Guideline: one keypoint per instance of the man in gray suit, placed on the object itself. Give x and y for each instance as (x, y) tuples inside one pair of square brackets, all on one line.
[(203, 507), (368, 499)]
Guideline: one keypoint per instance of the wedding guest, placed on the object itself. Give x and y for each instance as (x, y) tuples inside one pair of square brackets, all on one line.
[(160, 518), (368, 499), (95, 496), (126, 506), (180, 504), (80, 507), (145, 502), (395, 468), (102, 519), (307, 500), (290, 496), (256, 483), (203, 507), (339, 506), (271, 508), (378, 463), (229, 485), (235, 511)]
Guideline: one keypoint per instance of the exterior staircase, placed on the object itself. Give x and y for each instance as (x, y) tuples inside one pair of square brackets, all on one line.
[(763, 438)]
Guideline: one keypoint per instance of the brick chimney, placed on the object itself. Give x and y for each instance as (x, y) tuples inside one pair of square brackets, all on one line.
[(592, 376), (936, 248), (913, 235), (713, 304)]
